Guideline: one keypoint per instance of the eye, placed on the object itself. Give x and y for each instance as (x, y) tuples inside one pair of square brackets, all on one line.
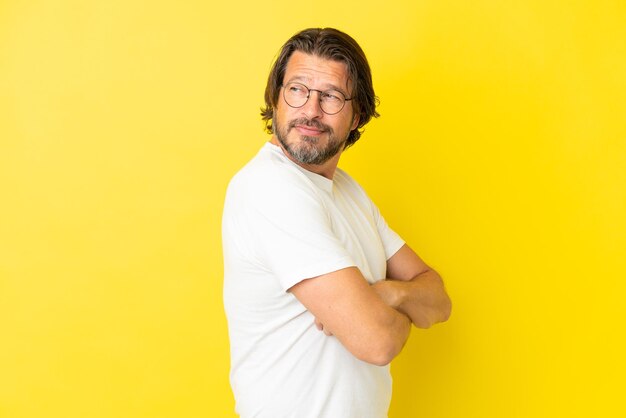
[(297, 89), (332, 96)]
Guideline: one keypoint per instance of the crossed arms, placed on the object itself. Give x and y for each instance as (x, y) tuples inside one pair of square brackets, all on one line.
[(374, 322)]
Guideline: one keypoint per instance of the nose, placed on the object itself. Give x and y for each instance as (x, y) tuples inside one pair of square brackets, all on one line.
[(312, 108)]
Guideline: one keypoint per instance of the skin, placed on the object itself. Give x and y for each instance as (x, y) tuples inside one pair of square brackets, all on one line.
[(372, 322), (321, 74)]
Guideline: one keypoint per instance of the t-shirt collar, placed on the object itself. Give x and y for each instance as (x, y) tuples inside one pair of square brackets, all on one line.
[(319, 180)]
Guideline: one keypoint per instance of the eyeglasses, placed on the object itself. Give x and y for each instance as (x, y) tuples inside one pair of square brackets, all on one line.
[(331, 101)]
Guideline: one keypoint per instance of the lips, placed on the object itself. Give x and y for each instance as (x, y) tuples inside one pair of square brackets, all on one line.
[(308, 130), (309, 127)]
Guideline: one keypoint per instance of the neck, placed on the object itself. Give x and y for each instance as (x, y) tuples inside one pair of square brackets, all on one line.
[(326, 170)]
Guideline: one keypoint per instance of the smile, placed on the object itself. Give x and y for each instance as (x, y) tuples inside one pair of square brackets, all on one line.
[(308, 130)]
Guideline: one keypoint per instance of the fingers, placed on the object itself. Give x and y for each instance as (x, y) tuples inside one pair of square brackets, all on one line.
[(320, 327)]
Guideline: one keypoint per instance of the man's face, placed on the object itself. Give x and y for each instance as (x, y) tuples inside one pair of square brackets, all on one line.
[(309, 135)]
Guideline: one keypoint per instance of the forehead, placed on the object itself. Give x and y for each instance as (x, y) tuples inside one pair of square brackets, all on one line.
[(319, 71)]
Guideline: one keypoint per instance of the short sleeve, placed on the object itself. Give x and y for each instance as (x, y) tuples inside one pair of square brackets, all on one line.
[(290, 229), (392, 242)]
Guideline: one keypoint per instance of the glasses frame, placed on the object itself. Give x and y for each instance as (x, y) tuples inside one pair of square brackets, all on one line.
[(319, 97)]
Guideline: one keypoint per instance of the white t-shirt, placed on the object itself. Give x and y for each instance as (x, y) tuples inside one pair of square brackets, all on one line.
[(283, 224)]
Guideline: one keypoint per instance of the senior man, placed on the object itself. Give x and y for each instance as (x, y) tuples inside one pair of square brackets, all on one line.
[(319, 292)]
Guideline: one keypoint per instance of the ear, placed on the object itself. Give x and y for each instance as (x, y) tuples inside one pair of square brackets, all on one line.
[(355, 121)]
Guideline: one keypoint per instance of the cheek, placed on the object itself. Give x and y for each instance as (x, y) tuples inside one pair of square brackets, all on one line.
[(349, 124), (284, 112)]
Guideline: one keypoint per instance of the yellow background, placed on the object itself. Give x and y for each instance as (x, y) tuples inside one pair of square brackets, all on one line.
[(500, 157)]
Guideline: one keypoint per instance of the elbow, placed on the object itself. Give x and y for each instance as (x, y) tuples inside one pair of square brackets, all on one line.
[(379, 357), (444, 305), (384, 357), (443, 309), (433, 315), (446, 309), (385, 348)]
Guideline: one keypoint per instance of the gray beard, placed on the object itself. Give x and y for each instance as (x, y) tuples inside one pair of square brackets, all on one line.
[(307, 151)]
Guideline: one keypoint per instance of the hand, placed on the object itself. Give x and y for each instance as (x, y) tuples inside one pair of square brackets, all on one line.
[(423, 299), (320, 326)]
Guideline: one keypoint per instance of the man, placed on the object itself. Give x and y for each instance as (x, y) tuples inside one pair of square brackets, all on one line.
[(319, 292)]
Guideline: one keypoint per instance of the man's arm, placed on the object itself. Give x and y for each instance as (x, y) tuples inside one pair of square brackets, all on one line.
[(414, 289), (352, 311)]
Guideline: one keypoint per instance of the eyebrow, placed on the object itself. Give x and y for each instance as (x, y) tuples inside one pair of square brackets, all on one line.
[(328, 86)]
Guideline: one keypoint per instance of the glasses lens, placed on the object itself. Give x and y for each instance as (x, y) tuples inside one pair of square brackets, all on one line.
[(332, 101), (296, 94)]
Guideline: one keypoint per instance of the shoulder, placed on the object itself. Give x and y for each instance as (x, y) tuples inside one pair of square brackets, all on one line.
[(346, 184), (270, 180), (267, 170), (343, 178)]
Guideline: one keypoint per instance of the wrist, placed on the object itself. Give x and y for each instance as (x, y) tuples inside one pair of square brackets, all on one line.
[(396, 293)]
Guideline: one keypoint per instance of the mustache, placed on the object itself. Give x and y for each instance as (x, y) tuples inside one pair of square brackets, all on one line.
[(312, 123)]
